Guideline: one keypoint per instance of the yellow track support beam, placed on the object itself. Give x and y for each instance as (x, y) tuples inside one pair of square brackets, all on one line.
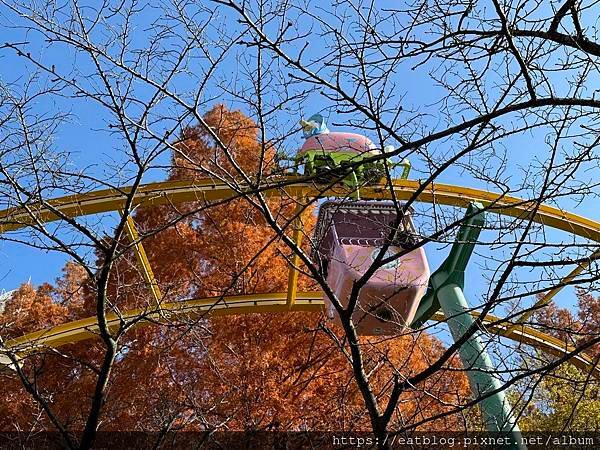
[(142, 259), (292, 287), (547, 298), (83, 329)]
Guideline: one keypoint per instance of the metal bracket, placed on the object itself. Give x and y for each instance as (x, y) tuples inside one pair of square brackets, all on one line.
[(142, 258), (292, 288)]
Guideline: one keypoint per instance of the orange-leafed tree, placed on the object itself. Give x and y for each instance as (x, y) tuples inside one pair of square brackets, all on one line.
[(249, 372), (567, 398)]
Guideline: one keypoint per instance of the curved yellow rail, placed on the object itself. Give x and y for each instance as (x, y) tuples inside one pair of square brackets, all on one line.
[(208, 190), (80, 330)]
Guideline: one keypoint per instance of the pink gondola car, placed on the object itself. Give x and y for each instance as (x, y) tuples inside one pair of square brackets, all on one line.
[(349, 236)]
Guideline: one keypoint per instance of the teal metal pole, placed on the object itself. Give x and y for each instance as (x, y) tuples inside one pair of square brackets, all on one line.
[(446, 292), (496, 409)]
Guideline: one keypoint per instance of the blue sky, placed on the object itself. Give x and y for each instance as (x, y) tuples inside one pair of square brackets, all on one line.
[(83, 135)]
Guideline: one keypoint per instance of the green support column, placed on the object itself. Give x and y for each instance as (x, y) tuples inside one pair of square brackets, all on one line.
[(446, 291), (496, 410)]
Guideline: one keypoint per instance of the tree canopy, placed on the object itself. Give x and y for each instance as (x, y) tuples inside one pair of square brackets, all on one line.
[(248, 372), (182, 118)]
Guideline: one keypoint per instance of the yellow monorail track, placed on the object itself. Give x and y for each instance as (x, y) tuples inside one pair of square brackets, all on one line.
[(209, 191), (83, 329)]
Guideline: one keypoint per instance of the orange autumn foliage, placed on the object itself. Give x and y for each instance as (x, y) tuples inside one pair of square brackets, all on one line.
[(259, 371), (577, 329)]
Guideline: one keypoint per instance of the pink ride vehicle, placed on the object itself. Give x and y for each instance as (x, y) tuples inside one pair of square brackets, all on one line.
[(349, 236), (345, 157)]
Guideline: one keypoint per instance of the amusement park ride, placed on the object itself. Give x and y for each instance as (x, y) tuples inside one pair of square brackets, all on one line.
[(352, 232), (330, 156), (349, 237)]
